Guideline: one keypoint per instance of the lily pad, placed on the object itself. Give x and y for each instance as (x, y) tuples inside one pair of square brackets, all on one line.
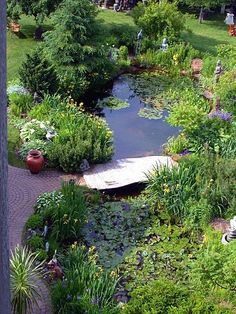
[(112, 103), (150, 113)]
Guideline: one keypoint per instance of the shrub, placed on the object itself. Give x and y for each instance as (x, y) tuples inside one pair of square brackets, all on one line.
[(46, 200), (20, 103), (159, 296), (41, 255), (35, 130), (37, 74), (35, 243), (24, 270), (34, 144), (35, 221), (159, 19), (87, 287)]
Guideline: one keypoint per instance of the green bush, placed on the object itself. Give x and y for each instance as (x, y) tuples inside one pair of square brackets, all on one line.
[(176, 58), (35, 221), (34, 144), (159, 19), (47, 200), (20, 103), (37, 74), (79, 135), (158, 297), (87, 287), (35, 243)]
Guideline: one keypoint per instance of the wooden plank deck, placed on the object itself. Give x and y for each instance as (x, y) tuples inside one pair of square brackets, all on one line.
[(123, 172)]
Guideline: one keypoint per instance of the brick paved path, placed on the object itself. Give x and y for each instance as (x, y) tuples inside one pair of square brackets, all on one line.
[(23, 191)]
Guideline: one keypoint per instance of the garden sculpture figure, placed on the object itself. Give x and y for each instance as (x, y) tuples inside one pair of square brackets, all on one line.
[(231, 234), (218, 71), (139, 40), (46, 247), (116, 5), (50, 134), (45, 231), (229, 20), (84, 165), (164, 45)]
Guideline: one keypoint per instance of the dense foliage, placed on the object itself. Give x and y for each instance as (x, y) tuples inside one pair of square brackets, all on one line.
[(159, 19)]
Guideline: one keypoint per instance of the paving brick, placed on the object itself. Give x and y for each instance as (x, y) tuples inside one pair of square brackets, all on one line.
[(24, 188)]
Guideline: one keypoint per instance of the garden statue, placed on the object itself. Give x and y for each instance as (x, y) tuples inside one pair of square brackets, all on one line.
[(37, 98), (50, 134), (231, 234), (116, 5), (55, 268), (218, 71), (164, 45), (45, 230), (229, 20), (84, 165), (139, 40), (46, 247)]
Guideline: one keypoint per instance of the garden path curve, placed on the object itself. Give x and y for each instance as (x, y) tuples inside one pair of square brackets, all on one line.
[(24, 188)]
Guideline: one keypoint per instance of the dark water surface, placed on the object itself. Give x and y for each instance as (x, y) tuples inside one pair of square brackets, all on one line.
[(135, 136)]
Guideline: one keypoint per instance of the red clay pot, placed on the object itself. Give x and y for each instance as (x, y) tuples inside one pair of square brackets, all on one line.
[(34, 161)]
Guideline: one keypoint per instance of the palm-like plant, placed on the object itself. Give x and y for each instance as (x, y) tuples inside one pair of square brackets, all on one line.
[(24, 271)]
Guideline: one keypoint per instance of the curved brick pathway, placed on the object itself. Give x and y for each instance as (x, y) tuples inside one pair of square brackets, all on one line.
[(23, 189)]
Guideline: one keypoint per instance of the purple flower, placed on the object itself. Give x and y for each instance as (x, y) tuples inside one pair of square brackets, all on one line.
[(184, 152), (225, 116)]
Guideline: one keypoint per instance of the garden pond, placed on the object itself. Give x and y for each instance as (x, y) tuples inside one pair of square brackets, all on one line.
[(139, 125)]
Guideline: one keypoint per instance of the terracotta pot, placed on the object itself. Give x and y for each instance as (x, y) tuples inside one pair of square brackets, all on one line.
[(34, 161)]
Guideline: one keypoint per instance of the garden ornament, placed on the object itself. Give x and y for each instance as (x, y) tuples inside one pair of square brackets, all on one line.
[(47, 247), (45, 231), (84, 165), (55, 268), (116, 5), (218, 71), (164, 45), (37, 98), (50, 134), (139, 40), (231, 234), (229, 20)]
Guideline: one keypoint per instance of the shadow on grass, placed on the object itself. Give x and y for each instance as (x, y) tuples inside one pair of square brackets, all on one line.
[(203, 43)]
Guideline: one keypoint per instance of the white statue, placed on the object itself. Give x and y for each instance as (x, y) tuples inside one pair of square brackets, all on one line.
[(164, 45)]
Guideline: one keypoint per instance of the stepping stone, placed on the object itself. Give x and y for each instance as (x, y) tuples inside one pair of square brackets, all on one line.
[(208, 95), (196, 65)]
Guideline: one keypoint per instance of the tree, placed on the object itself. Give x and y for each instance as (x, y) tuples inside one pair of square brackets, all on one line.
[(159, 19), (38, 8), (203, 4), (79, 60), (37, 74), (4, 241)]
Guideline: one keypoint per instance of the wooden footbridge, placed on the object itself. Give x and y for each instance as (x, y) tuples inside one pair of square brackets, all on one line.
[(122, 172)]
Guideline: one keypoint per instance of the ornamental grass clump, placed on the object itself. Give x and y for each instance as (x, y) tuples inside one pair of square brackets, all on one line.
[(24, 273)]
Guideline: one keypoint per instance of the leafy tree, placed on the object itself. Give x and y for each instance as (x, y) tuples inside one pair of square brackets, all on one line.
[(79, 63), (38, 8), (38, 74), (159, 19), (203, 4)]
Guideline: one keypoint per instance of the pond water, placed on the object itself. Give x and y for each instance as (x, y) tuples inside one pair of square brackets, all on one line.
[(135, 136)]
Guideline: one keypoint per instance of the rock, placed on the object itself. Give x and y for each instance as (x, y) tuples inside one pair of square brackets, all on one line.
[(220, 224)]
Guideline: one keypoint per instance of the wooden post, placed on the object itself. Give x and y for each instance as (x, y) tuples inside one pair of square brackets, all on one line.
[(5, 305)]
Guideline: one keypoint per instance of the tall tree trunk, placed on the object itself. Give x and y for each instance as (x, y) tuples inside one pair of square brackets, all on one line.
[(201, 15), (5, 307)]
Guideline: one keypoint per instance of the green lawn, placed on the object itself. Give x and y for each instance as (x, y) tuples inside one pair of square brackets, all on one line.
[(209, 34)]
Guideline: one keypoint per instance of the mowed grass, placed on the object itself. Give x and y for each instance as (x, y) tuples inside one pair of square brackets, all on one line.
[(206, 36)]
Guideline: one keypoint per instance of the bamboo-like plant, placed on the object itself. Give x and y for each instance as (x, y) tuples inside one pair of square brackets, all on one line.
[(23, 271)]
